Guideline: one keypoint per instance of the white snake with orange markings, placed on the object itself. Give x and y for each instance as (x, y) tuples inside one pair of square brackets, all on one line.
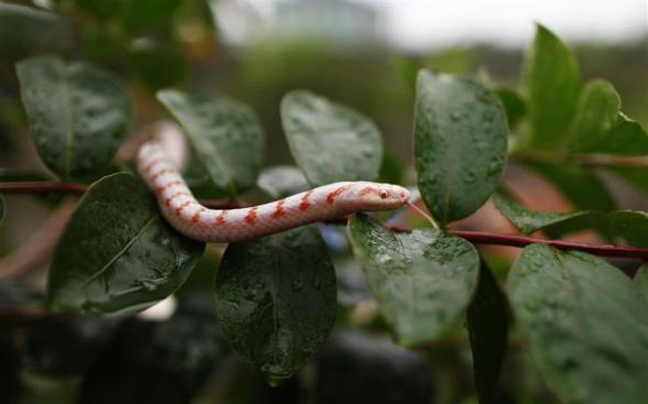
[(189, 217)]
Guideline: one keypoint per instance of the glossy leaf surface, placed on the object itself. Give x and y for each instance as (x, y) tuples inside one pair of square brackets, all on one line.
[(460, 144), (117, 254), (275, 298), (550, 82), (226, 137), (330, 141), (422, 280), (79, 115), (583, 324)]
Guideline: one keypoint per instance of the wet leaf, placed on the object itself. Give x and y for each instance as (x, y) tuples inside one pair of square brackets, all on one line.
[(631, 226), (275, 298), (329, 141), (423, 280), (79, 115), (282, 181), (488, 325), (117, 254), (460, 144), (583, 324), (226, 137), (550, 83)]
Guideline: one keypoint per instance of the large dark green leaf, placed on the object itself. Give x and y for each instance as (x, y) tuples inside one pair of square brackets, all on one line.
[(601, 127), (551, 82), (117, 254), (78, 114), (583, 188), (282, 181), (631, 226), (583, 323), (423, 280), (488, 324), (460, 144), (329, 141), (226, 137), (275, 298)]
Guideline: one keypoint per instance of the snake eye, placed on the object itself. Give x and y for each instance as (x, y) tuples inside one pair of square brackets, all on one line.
[(383, 194)]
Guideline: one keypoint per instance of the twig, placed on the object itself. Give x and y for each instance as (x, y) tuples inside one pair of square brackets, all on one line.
[(477, 237)]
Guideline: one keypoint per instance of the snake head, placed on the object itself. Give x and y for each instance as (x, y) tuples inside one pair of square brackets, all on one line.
[(374, 196)]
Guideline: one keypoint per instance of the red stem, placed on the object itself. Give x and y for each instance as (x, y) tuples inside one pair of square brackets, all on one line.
[(477, 237)]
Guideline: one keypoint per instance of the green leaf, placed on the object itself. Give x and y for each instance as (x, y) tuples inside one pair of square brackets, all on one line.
[(329, 141), (423, 280), (275, 298), (581, 187), (513, 105), (79, 115), (625, 138), (226, 137), (600, 126), (583, 324), (641, 278), (631, 226), (117, 254), (598, 108), (282, 181), (460, 144), (527, 221), (488, 325), (551, 82)]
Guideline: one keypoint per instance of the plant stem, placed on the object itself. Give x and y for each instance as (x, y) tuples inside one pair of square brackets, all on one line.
[(476, 237)]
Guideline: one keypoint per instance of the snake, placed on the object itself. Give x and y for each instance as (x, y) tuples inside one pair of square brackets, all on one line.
[(159, 170)]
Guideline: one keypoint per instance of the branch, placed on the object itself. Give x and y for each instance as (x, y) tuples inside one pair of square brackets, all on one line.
[(477, 237), (514, 240)]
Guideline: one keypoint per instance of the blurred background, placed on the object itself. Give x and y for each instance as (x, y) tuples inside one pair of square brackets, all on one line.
[(362, 53)]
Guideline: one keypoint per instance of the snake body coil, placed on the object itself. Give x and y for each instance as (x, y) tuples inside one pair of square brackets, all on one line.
[(189, 217)]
